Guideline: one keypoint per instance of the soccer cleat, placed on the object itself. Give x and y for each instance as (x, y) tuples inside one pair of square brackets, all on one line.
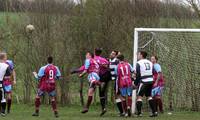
[(154, 114), (139, 114), (126, 115), (121, 114), (103, 112), (56, 114), (3, 114), (85, 110), (35, 114)]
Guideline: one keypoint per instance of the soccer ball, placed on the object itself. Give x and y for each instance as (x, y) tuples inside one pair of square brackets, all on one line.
[(30, 28)]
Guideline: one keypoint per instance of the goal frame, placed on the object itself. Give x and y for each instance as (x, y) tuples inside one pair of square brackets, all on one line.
[(135, 48), (136, 37)]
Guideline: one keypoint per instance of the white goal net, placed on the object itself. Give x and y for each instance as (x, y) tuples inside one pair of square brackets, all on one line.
[(178, 51)]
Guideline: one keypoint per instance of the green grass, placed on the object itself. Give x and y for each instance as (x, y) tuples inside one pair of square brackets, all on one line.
[(23, 112)]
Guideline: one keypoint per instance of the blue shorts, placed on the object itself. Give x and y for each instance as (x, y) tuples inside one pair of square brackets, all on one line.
[(8, 88), (93, 76), (126, 91), (41, 93), (157, 91)]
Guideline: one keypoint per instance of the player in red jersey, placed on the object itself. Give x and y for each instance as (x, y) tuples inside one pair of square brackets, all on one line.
[(124, 72), (92, 68), (47, 77), (158, 83)]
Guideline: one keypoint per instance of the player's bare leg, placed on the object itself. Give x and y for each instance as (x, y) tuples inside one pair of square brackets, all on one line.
[(37, 106), (89, 101)]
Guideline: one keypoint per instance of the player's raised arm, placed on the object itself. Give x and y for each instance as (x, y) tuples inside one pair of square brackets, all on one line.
[(86, 66)]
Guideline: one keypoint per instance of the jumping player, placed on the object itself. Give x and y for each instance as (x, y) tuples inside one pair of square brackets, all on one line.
[(47, 77), (104, 74), (113, 65), (158, 83), (124, 82), (92, 68), (7, 82), (4, 71), (144, 78)]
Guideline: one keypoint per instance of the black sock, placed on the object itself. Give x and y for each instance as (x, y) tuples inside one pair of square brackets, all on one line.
[(119, 106), (103, 102), (152, 105), (139, 106), (3, 107)]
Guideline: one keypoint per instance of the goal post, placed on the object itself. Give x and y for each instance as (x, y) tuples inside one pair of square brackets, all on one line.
[(177, 46)]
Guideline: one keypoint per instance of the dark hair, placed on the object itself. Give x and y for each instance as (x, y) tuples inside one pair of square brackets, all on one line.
[(120, 57), (92, 55), (50, 59), (116, 52), (143, 53), (155, 57), (98, 51)]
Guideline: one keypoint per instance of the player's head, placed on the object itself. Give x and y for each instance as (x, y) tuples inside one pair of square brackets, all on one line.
[(50, 59), (3, 56), (98, 51), (114, 54), (142, 55), (89, 55), (120, 57), (154, 59)]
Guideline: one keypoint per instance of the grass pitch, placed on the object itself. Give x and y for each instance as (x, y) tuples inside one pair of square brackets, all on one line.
[(24, 112)]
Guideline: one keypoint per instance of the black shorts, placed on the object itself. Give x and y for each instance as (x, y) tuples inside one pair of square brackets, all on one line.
[(145, 89), (106, 77)]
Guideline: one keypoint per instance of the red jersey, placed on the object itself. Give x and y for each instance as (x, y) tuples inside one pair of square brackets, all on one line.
[(47, 82), (124, 75)]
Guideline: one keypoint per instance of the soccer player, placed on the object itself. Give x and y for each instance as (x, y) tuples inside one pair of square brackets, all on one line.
[(158, 83), (124, 82), (104, 74), (47, 77), (4, 71), (92, 68), (7, 82), (144, 78), (113, 65)]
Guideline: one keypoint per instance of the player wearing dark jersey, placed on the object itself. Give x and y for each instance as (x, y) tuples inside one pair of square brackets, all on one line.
[(113, 65), (104, 75), (47, 77), (4, 71), (158, 83), (144, 79)]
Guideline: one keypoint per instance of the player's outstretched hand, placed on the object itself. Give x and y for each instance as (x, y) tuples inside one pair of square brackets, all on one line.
[(35, 74)]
